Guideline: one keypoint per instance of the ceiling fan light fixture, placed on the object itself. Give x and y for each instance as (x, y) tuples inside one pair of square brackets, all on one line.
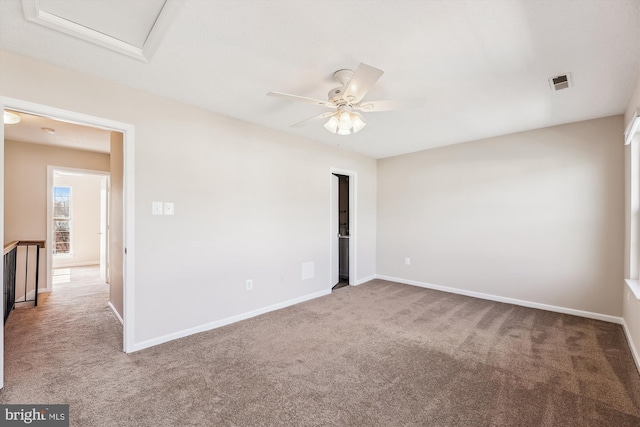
[(358, 122), (346, 100), (332, 124), (10, 118), (345, 121)]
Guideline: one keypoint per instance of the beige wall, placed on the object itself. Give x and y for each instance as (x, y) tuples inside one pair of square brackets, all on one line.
[(535, 216), (116, 226), (634, 104), (85, 219), (25, 174), (25, 188), (250, 203)]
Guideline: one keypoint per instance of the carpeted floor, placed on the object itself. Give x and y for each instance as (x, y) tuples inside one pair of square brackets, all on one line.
[(378, 354)]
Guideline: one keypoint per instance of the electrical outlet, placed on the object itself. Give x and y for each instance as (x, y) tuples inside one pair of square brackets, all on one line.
[(407, 261), (249, 284)]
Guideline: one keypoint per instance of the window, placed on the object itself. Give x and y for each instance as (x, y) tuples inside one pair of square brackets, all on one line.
[(62, 220), (635, 207), (632, 138)]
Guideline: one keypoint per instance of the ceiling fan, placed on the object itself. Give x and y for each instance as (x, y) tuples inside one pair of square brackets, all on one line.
[(346, 101)]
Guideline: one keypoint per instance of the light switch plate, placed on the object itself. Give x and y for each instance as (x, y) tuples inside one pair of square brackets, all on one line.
[(168, 208), (156, 208)]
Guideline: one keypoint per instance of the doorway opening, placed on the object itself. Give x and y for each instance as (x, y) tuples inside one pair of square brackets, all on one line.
[(122, 137), (77, 222), (343, 231), (343, 228)]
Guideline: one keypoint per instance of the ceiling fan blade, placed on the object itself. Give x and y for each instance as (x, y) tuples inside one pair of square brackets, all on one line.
[(389, 105), (363, 79), (313, 119), (302, 99)]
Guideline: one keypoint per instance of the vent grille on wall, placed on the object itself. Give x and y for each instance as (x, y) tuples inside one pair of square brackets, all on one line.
[(560, 82)]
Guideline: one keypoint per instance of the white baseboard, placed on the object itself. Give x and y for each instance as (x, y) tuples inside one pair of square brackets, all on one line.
[(60, 264), (365, 280), (30, 297), (632, 345), (223, 322), (524, 303), (115, 312), (555, 308)]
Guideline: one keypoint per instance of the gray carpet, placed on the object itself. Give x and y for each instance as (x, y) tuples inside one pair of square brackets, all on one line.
[(379, 354)]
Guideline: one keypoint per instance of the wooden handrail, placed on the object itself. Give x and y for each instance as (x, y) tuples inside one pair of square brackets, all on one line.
[(9, 246)]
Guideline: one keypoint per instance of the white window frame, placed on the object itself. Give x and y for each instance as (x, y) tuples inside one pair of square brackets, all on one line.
[(632, 138)]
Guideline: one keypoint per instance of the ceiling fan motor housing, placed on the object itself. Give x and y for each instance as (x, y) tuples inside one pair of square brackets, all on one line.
[(336, 96)]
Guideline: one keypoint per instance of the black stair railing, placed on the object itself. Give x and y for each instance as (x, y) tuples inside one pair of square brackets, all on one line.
[(30, 272)]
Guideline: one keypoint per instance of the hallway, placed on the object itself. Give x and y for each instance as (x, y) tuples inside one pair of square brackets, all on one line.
[(45, 346)]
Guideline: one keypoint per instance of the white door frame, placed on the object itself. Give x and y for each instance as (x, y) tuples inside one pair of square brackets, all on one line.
[(334, 227), (105, 191), (353, 224), (128, 131), (49, 241)]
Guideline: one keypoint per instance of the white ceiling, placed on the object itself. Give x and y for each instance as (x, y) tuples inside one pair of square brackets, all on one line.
[(480, 66), (32, 129)]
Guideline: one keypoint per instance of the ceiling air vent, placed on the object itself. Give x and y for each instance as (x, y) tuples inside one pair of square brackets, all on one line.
[(560, 82)]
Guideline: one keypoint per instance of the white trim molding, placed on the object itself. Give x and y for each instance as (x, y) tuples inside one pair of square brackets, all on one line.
[(564, 310), (51, 169), (633, 128), (364, 280), (227, 321), (79, 264), (353, 223), (128, 131), (632, 346), (514, 301), (33, 13), (115, 313), (634, 285)]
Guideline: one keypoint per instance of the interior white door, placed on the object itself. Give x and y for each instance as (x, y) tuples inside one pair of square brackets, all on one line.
[(335, 241), (104, 209)]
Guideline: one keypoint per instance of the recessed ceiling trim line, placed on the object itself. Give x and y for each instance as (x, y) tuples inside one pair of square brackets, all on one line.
[(33, 13)]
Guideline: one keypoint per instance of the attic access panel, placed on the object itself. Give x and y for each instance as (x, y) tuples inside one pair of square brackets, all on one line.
[(131, 28)]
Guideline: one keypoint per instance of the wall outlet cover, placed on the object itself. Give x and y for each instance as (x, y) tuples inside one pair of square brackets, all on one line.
[(156, 208), (307, 270)]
